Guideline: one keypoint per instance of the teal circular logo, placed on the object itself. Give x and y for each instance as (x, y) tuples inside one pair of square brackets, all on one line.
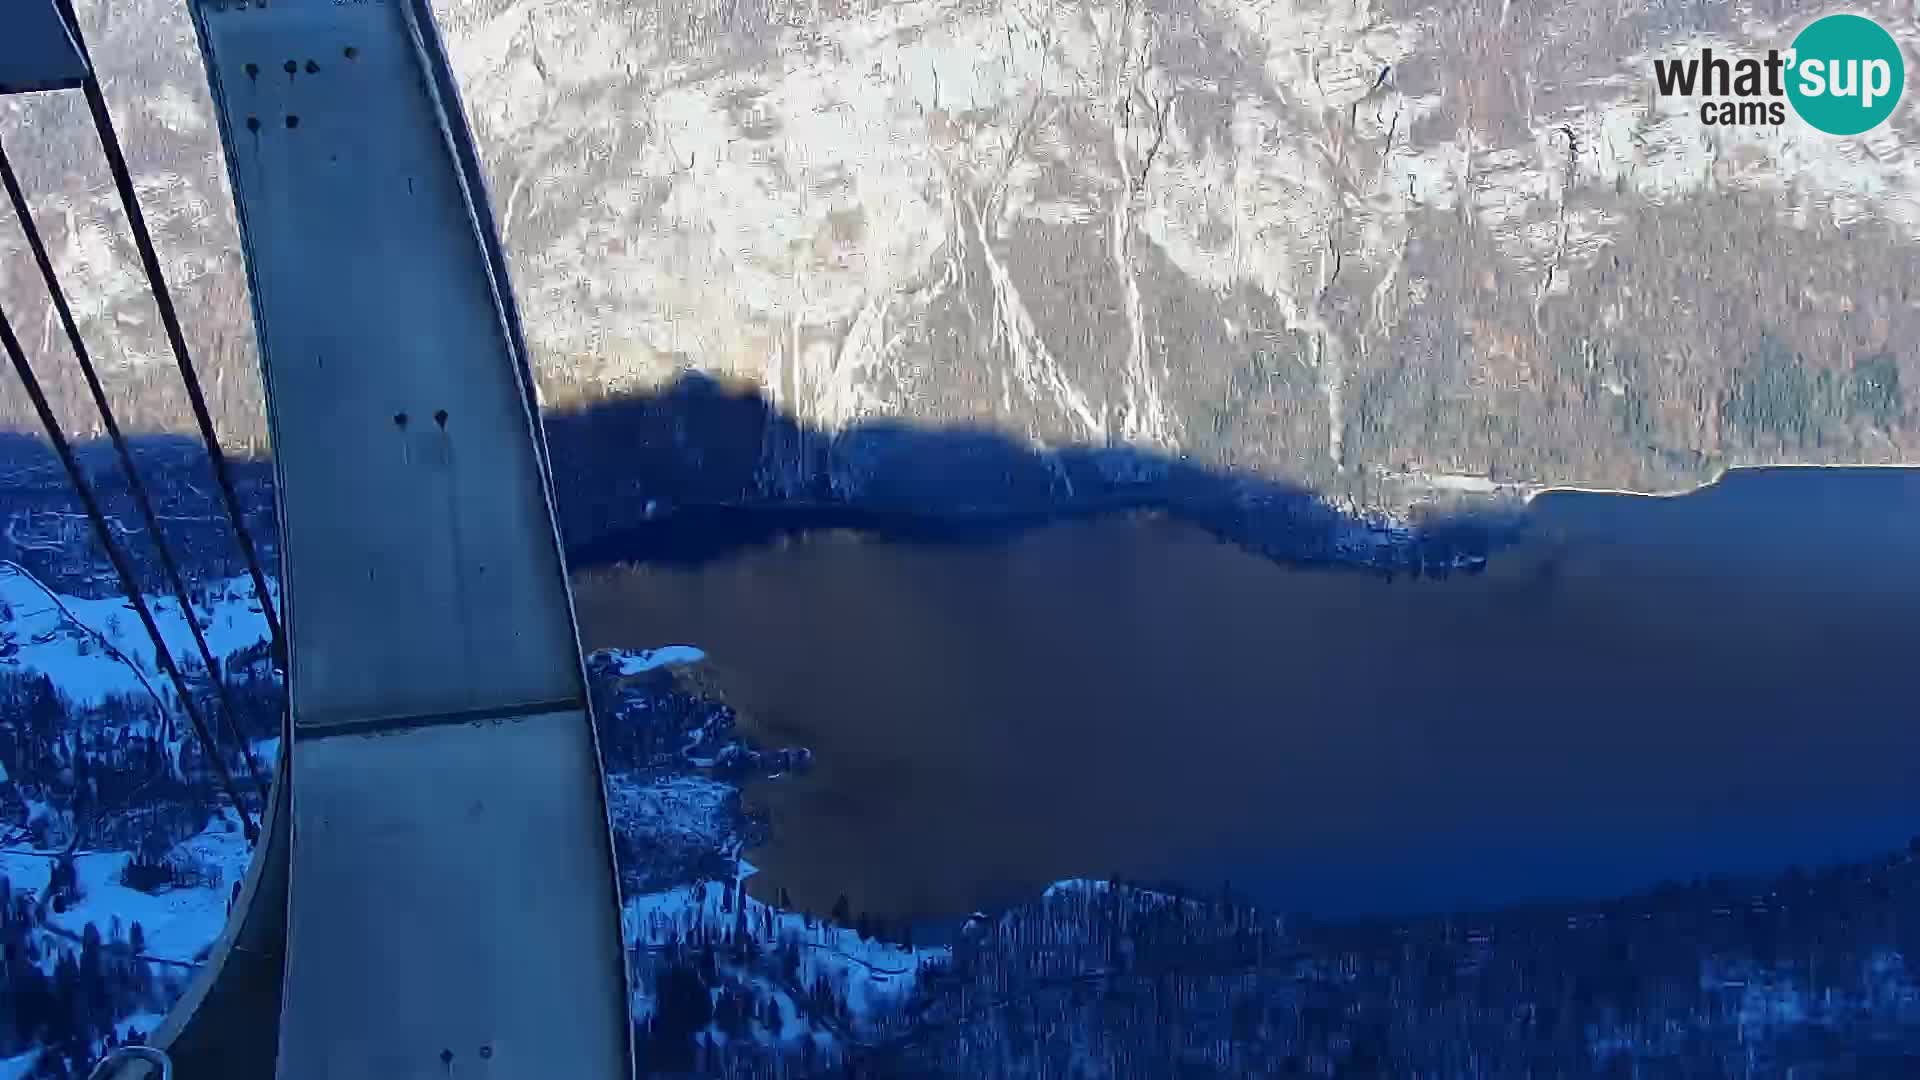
[(1847, 74)]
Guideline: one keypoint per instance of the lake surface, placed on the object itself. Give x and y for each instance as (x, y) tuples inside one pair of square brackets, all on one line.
[(1646, 688)]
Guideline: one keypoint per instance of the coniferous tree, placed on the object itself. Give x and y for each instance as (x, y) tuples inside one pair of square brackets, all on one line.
[(683, 1007)]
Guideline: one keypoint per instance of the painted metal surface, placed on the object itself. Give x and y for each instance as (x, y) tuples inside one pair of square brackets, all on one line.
[(400, 427), (462, 918), (37, 51), (452, 906)]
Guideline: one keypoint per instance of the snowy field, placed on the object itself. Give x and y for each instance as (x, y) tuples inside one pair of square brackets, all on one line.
[(179, 923), (73, 639)]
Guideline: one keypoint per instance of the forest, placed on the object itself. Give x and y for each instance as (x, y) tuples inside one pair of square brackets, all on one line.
[(103, 776)]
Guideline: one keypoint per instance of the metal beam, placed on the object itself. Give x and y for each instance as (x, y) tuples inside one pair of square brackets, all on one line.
[(452, 898)]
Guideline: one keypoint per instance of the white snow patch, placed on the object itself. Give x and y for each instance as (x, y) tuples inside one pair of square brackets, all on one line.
[(872, 976), (636, 662), (178, 923), (67, 650)]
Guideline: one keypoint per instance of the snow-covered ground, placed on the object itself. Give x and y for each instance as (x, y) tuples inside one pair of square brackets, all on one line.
[(870, 975), (62, 636), (94, 649), (640, 661), (178, 923), (683, 811)]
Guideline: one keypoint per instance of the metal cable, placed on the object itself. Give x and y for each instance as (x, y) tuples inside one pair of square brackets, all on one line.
[(128, 583), (119, 1057), (134, 484), (150, 260)]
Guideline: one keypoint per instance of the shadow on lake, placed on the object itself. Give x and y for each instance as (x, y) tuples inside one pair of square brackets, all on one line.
[(1639, 689), (697, 472)]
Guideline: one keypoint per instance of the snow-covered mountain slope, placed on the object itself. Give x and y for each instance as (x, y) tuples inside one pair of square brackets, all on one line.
[(873, 977), (95, 648), (1313, 240)]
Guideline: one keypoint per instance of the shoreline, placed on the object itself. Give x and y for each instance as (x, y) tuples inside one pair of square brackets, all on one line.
[(1307, 532), (1725, 473)]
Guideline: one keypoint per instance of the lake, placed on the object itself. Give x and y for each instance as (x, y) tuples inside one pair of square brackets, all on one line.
[(1644, 688)]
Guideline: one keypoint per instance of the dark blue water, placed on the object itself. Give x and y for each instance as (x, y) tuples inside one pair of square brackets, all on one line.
[(1644, 689)]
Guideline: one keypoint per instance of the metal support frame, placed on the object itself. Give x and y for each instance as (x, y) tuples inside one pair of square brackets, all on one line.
[(436, 890)]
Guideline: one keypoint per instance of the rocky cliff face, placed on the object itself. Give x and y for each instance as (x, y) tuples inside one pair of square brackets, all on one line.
[(1361, 245)]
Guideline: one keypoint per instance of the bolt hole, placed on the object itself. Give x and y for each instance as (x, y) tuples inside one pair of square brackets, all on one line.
[(399, 419), (253, 123), (293, 121), (440, 417), (291, 67), (351, 53), (253, 71), (486, 1051), (313, 68)]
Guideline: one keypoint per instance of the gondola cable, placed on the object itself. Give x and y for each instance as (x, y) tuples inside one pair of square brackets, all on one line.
[(169, 319), (128, 583), (134, 484)]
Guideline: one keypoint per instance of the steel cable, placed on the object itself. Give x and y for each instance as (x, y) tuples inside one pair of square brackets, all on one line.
[(150, 261), (134, 484), (128, 583)]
